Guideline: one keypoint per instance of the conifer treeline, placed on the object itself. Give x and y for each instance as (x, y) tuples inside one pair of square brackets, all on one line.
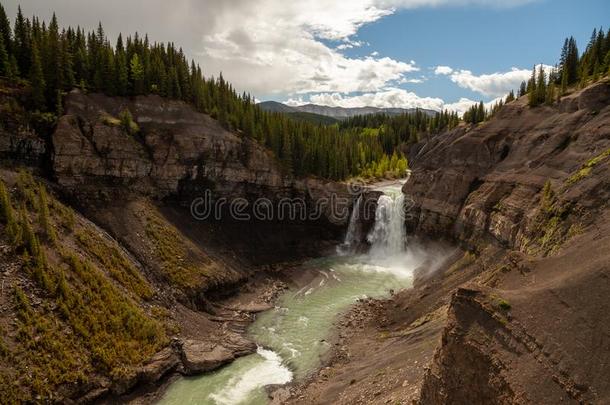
[(55, 60), (394, 130), (546, 87)]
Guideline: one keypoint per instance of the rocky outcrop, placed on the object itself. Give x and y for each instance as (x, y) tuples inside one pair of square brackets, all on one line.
[(533, 336), (202, 356), (482, 183), (159, 365)]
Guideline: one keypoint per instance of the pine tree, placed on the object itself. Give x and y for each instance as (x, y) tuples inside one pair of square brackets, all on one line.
[(549, 98), (52, 60), (12, 70), (564, 56), (564, 82), (44, 216), (540, 86), (532, 91), (4, 60), (22, 43), (7, 215), (137, 75), (29, 239), (523, 89), (121, 69), (481, 112), (571, 62), (286, 155), (37, 79), (5, 30), (6, 209), (67, 64)]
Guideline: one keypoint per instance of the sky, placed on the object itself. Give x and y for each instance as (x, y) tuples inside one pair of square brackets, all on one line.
[(351, 53)]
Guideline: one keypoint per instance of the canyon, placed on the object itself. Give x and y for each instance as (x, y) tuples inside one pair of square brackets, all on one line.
[(510, 306)]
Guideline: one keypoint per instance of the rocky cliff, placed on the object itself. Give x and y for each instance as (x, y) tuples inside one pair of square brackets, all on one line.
[(528, 193), (484, 182), (175, 145)]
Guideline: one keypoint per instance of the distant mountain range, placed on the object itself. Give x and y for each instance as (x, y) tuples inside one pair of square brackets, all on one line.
[(338, 113)]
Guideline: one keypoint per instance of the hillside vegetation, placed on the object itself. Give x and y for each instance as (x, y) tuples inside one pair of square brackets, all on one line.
[(80, 309)]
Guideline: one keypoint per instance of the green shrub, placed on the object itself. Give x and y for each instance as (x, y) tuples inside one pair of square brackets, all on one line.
[(586, 168), (503, 304), (43, 214), (7, 216), (110, 121), (127, 122)]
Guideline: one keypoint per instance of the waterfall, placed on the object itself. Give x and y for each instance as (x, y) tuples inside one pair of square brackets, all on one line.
[(388, 236), (351, 237)]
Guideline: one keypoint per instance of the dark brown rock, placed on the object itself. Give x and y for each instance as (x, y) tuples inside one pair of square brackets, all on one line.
[(159, 365)]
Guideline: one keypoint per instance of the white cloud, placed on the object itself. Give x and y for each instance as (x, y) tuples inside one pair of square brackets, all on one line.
[(391, 97), (405, 80), (411, 4), (464, 104), (443, 70), (494, 84), (283, 52)]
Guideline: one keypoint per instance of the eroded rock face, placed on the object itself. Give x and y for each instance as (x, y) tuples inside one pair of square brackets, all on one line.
[(178, 152), (176, 144), (483, 183)]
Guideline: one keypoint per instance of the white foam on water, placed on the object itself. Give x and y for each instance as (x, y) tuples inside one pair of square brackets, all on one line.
[(290, 347), (269, 372), (400, 265)]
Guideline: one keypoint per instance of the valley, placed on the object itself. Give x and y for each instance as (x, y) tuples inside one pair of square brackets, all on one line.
[(167, 239)]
